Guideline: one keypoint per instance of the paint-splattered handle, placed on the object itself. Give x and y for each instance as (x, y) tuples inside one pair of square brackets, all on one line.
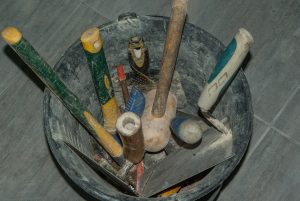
[(42, 69), (92, 44), (225, 69)]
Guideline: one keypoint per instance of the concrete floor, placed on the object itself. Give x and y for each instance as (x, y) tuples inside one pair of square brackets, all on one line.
[(270, 170)]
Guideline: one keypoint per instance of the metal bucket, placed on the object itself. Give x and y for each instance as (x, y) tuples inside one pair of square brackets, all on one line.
[(199, 52)]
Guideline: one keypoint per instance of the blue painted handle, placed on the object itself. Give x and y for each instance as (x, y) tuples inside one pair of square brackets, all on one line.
[(136, 102), (187, 128)]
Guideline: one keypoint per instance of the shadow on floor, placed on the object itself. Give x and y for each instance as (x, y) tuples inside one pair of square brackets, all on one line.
[(8, 51)]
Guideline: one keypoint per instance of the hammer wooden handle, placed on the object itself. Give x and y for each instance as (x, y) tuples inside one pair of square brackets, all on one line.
[(92, 44), (40, 67), (129, 126), (175, 27), (225, 69)]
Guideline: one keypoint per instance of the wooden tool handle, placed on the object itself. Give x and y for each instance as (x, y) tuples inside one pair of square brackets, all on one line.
[(92, 44), (175, 27), (189, 130), (225, 70), (40, 67), (129, 127)]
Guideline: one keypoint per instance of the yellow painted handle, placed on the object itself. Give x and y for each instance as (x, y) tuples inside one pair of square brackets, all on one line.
[(91, 40)]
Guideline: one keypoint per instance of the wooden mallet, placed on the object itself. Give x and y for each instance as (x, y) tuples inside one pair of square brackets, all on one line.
[(160, 104), (129, 126)]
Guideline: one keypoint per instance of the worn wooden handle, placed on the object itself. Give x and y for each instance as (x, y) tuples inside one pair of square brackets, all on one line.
[(175, 27), (225, 69), (189, 130), (92, 44), (40, 67), (129, 127)]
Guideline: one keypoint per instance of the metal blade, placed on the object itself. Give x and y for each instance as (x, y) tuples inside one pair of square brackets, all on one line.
[(186, 163), (84, 145)]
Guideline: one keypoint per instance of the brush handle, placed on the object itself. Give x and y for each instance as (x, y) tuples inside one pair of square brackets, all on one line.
[(175, 27), (92, 44), (225, 69), (40, 67)]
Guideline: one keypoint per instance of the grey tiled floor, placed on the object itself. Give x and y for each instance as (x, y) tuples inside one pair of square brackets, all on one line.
[(270, 170)]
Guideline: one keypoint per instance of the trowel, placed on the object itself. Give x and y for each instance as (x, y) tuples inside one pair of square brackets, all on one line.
[(214, 148)]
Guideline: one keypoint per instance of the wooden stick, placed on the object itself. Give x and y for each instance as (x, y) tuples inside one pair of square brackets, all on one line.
[(175, 27), (40, 67), (129, 127), (92, 44)]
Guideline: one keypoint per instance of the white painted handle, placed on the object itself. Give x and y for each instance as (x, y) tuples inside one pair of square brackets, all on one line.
[(225, 69)]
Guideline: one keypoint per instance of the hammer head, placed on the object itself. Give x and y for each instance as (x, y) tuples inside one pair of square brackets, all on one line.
[(157, 130)]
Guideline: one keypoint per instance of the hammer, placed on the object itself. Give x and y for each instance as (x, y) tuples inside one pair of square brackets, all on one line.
[(160, 104), (49, 77), (92, 44)]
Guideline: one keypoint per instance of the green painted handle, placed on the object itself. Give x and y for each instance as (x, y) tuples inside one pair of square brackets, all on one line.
[(92, 45), (39, 66), (225, 69)]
